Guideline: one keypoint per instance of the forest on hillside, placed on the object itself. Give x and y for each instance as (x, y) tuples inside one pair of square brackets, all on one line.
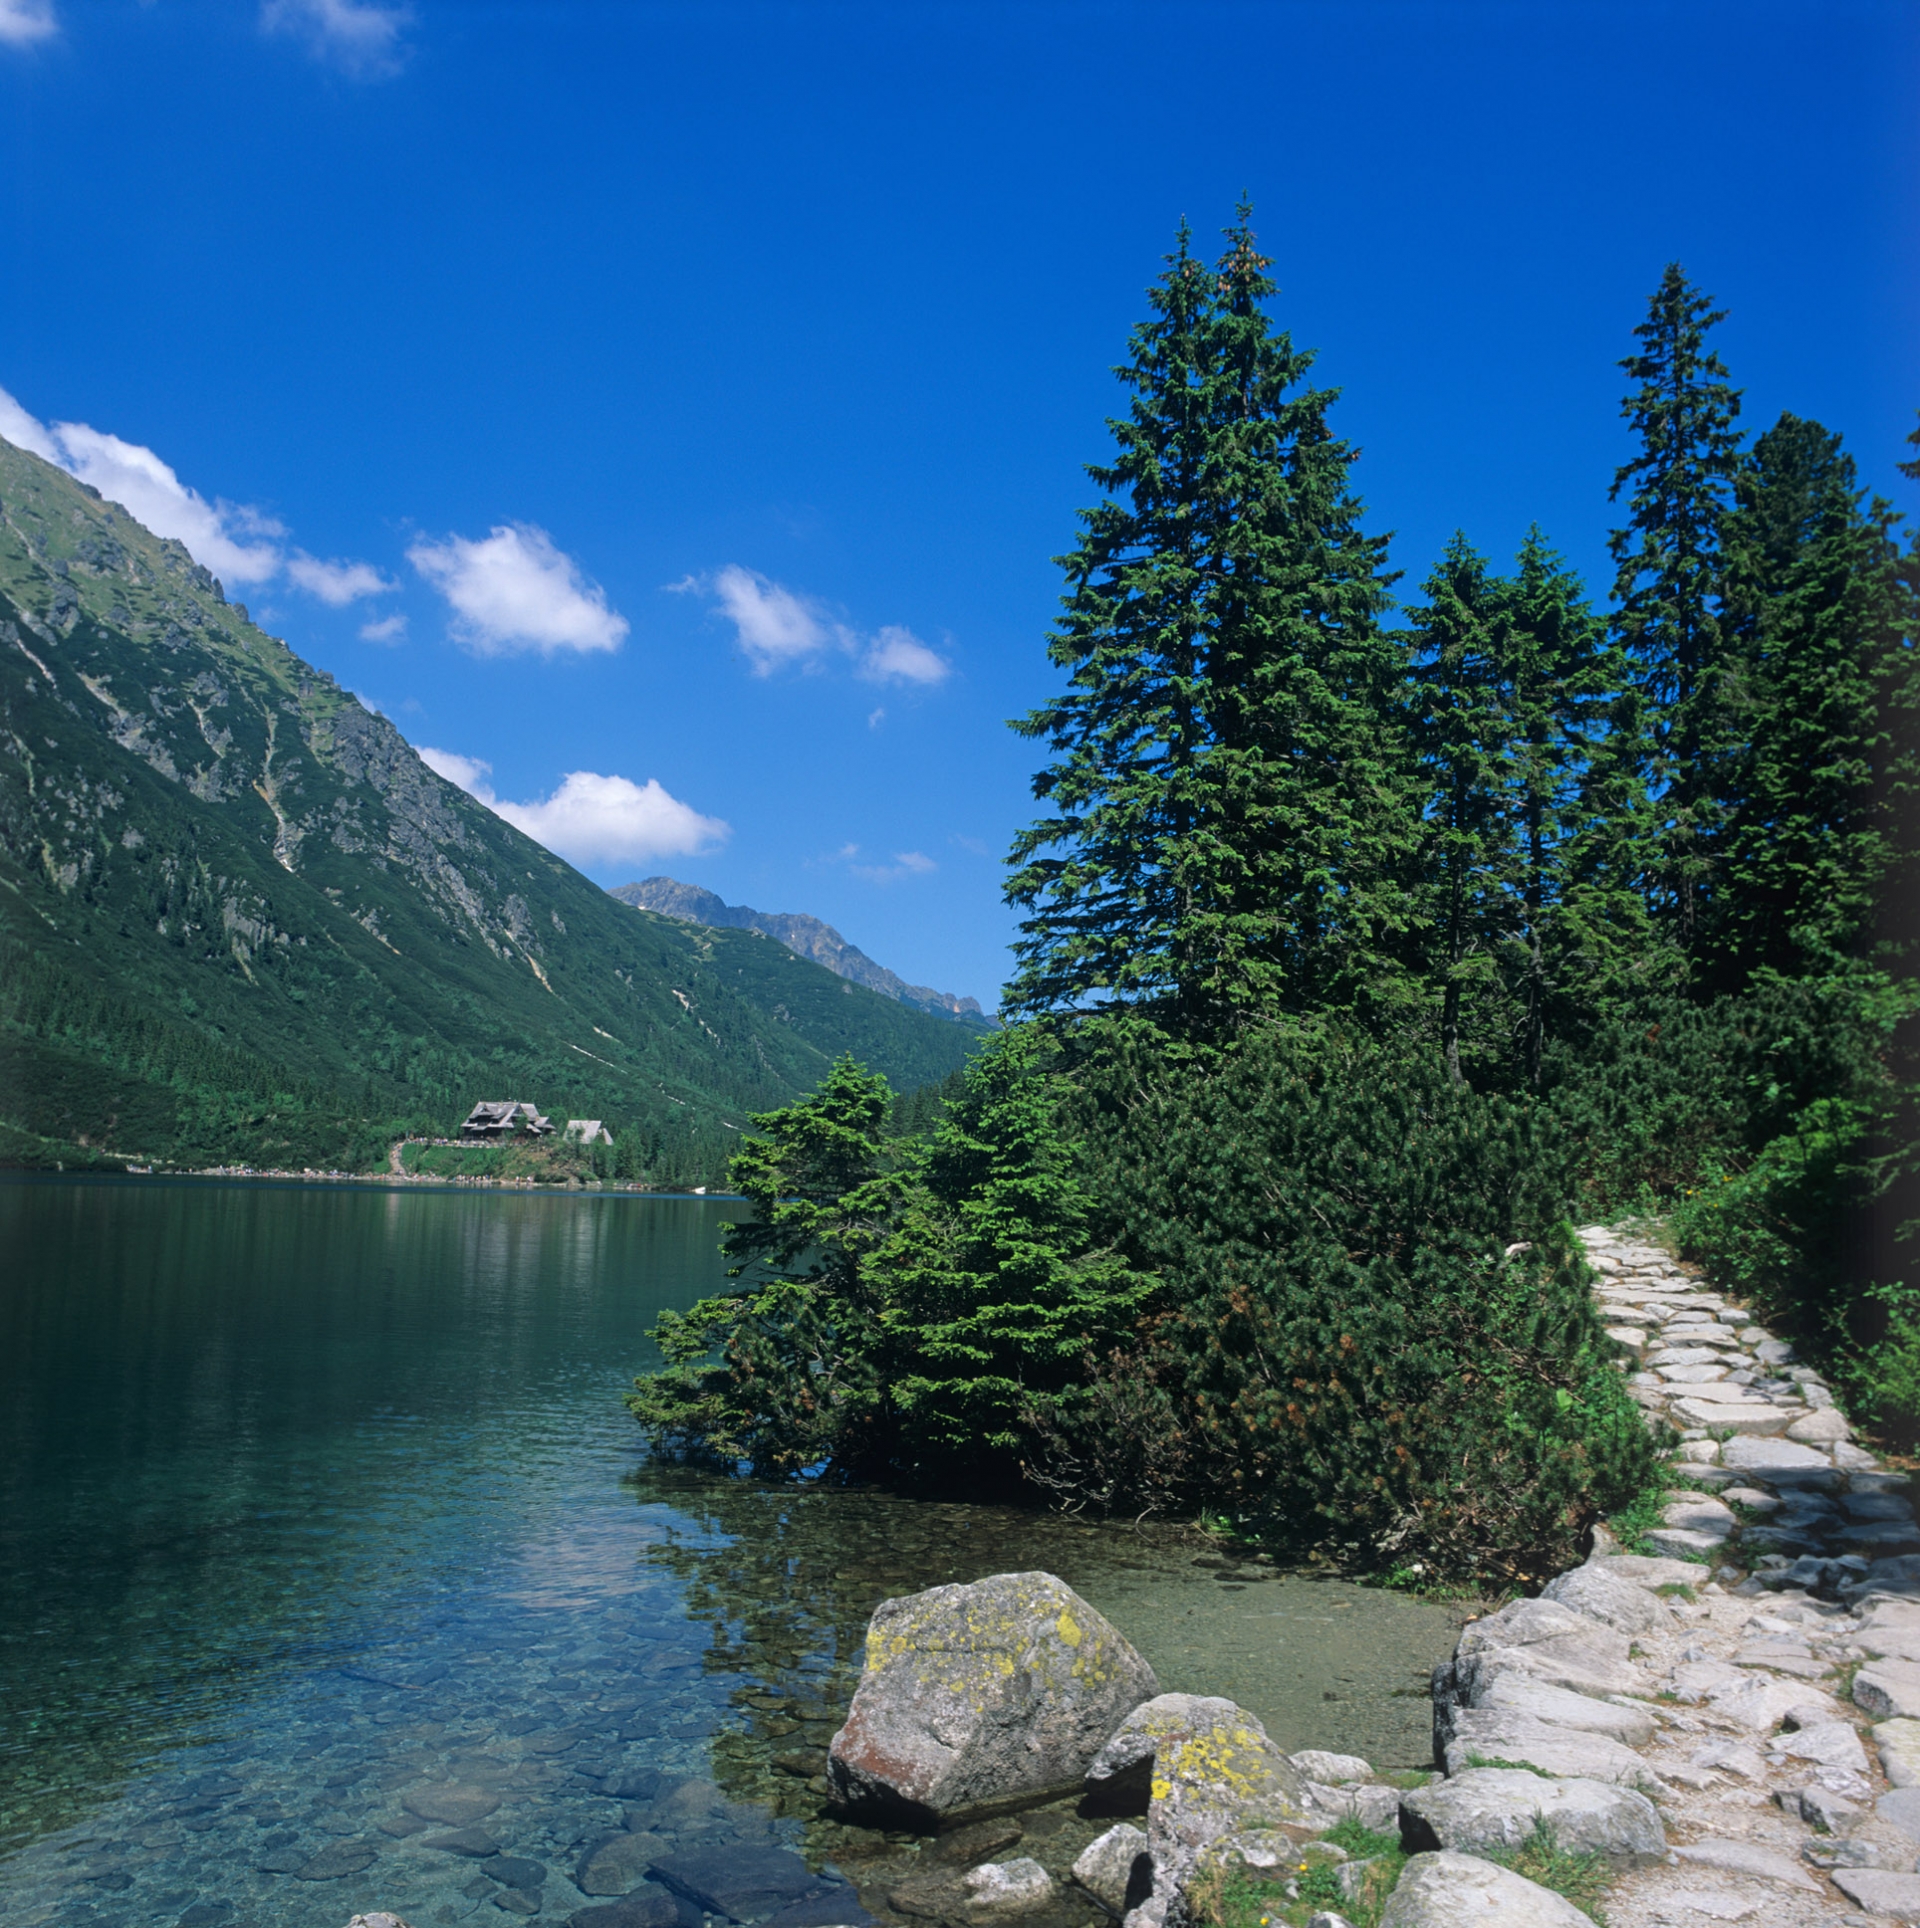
[(1372, 938)]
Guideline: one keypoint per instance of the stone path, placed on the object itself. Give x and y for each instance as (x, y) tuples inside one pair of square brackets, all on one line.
[(1768, 1700)]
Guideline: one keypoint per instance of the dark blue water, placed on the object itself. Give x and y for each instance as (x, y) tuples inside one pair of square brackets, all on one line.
[(322, 1526)]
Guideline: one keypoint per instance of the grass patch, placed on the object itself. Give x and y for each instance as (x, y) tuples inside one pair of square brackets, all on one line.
[(1494, 1760), (1292, 1897), (1675, 1590), (1582, 1878)]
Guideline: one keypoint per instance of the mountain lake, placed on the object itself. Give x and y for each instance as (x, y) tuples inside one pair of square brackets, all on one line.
[(334, 1575)]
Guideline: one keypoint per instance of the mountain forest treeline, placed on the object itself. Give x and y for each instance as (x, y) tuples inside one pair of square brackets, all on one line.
[(1372, 937)]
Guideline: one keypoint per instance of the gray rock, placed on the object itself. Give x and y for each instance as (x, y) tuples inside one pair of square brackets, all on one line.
[(1215, 1761), (648, 1907), (832, 1908), (1822, 1426), (1542, 1640), (1827, 1743), (1317, 1765), (1780, 1462), (1326, 1918), (1210, 1771), (1373, 1807), (1888, 1690), (451, 1804), (377, 1920), (332, 1863), (1898, 1578), (1646, 1570), (1492, 1810), (1517, 1694), (471, 1841), (1830, 1813), (1901, 1809), (1749, 1859), (999, 1890), (1899, 1745), (1117, 1869), (736, 1878), (1485, 1738), (1881, 1893), (1461, 1891), (1610, 1598), (979, 1695), (513, 1871), (617, 1864)]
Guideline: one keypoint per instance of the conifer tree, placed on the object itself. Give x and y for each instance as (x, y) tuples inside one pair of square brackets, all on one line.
[(1227, 810), (1810, 575), (1462, 729), (1512, 683), (1668, 583), (1576, 909)]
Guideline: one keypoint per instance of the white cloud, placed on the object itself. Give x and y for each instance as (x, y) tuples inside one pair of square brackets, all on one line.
[(22, 22), (515, 591), (239, 544), (225, 536), (357, 36), (906, 863), (897, 655), (20, 428), (469, 772), (774, 625), (876, 717), (777, 626), (337, 583), (592, 819), (389, 629)]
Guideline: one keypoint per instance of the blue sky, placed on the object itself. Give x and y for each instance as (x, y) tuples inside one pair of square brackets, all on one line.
[(674, 408)]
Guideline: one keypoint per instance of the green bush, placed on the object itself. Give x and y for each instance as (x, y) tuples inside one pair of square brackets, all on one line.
[(1376, 1336)]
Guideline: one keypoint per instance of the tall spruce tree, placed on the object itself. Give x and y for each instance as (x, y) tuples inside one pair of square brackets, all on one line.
[(1669, 586), (1576, 909), (1462, 728), (1512, 684), (1810, 579), (1227, 808)]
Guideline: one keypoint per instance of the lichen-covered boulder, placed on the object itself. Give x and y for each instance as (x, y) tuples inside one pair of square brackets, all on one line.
[(1208, 1770), (975, 1696)]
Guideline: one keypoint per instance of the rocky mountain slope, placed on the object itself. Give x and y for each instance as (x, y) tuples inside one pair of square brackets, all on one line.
[(241, 920), (807, 935)]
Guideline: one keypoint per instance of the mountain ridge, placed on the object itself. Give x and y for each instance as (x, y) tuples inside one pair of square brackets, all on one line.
[(242, 921), (809, 936)]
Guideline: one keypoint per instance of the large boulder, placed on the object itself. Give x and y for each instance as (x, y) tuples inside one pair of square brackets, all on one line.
[(1206, 1769), (1493, 1810), (1610, 1598), (982, 1695), (1486, 1737), (1548, 1641), (1462, 1891)]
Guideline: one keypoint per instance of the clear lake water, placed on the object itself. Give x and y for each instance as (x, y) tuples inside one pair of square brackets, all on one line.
[(334, 1576)]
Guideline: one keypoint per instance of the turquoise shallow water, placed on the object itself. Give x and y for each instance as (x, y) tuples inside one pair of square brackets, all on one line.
[(318, 1506)]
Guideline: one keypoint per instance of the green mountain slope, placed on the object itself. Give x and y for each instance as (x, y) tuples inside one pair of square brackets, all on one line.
[(240, 920)]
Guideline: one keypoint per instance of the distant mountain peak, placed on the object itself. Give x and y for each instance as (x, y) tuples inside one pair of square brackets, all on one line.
[(668, 897)]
